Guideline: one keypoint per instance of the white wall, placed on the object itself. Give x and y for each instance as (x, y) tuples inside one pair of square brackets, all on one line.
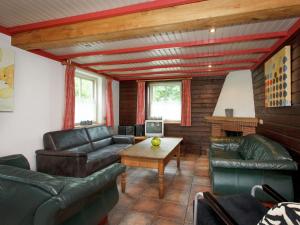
[(39, 103), (237, 93)]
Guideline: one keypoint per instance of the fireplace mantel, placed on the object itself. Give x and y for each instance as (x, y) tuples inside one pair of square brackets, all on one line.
[(221, 124)]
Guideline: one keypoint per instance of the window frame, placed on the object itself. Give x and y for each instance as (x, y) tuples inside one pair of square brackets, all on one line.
[(149, 97), (81, 76)]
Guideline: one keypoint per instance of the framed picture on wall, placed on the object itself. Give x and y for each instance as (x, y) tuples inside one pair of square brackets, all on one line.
[(6, 79), (278, 79)]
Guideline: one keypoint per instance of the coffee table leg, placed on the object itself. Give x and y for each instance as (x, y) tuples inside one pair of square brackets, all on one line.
[(123, 182), (161, 170), (178, 157)]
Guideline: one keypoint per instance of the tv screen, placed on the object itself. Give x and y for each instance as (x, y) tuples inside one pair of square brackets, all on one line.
[(154, 128)]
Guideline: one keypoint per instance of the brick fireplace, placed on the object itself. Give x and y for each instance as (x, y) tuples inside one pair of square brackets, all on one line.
[(220, 124)]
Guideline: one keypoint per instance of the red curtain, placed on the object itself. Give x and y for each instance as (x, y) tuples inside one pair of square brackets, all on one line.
[(186, 103), (69, 118), (140, 111), (109, 105)]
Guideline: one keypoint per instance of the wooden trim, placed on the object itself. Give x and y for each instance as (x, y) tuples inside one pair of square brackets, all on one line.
[(179, 77), (182, 71), (199, 15), (4, 30), (212, 41), (185, 56), (139, 7), (166, 79), (278, 44), (53, 57), (201, 64)]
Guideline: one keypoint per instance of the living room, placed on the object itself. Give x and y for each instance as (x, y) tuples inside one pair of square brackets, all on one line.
[(126, 112)]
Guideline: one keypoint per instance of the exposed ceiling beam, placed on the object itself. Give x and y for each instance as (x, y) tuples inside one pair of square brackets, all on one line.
[(200, 15), (46, 54), (207, 70), (4, 30), (279, 43), (225, 62), (187, 56), (243, 38), (139, 7), (171, 77), (53, 57)]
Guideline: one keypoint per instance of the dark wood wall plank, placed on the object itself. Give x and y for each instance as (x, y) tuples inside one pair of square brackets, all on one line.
[(205, 93), (281, 124), (127, 102)]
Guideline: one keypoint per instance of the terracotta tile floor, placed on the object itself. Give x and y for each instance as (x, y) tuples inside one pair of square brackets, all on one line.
[(140, 204)]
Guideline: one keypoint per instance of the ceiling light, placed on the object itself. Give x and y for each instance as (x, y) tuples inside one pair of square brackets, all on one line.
[(87, 45), (209, 66), (212, 30)]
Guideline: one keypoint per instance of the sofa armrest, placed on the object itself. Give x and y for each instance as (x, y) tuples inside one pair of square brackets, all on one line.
[(85, 187), (30, 178), (77, 193), (250, 164), (123, 139), (226, 143), (61, 163), (18, 160)]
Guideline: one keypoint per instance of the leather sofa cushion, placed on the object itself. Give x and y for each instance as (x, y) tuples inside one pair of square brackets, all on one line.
[(102, 143), (75, 140), (99, 133), (100, 136), (106, 151), (104, 157), (225, 154), (257, 147), (42, 181)]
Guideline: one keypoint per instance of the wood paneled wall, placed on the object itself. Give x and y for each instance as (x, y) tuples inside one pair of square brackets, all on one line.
[(127, 105), (205, 92), (281, 124)]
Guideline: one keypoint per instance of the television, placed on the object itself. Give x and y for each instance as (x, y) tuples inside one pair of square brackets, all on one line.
[(154, 128)]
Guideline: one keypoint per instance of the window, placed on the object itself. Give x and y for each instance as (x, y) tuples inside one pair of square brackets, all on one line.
[(85, 99), (164, 100)]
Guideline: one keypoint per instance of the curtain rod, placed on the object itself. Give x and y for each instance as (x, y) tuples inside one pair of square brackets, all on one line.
[(166, 79)]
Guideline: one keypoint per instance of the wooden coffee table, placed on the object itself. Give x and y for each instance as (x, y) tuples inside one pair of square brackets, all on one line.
[(144, 155)]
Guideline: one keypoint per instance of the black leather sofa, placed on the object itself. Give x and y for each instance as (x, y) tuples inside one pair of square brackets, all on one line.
[(80, 152), (239, 163), (32, 198)]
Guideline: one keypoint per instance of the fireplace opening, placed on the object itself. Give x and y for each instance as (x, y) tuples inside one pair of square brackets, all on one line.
[(230, 133)]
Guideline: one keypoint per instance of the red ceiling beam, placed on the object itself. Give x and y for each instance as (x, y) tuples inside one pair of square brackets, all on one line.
[(182, 71), (279, 43), (54, 57), (171, 77), (203, 64), (188, 56), (227, 40), (4, 30), (46, 54), (140, 7)]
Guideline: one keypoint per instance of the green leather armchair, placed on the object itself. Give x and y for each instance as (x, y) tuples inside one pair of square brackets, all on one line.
[(239, 163), (32, 198)]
